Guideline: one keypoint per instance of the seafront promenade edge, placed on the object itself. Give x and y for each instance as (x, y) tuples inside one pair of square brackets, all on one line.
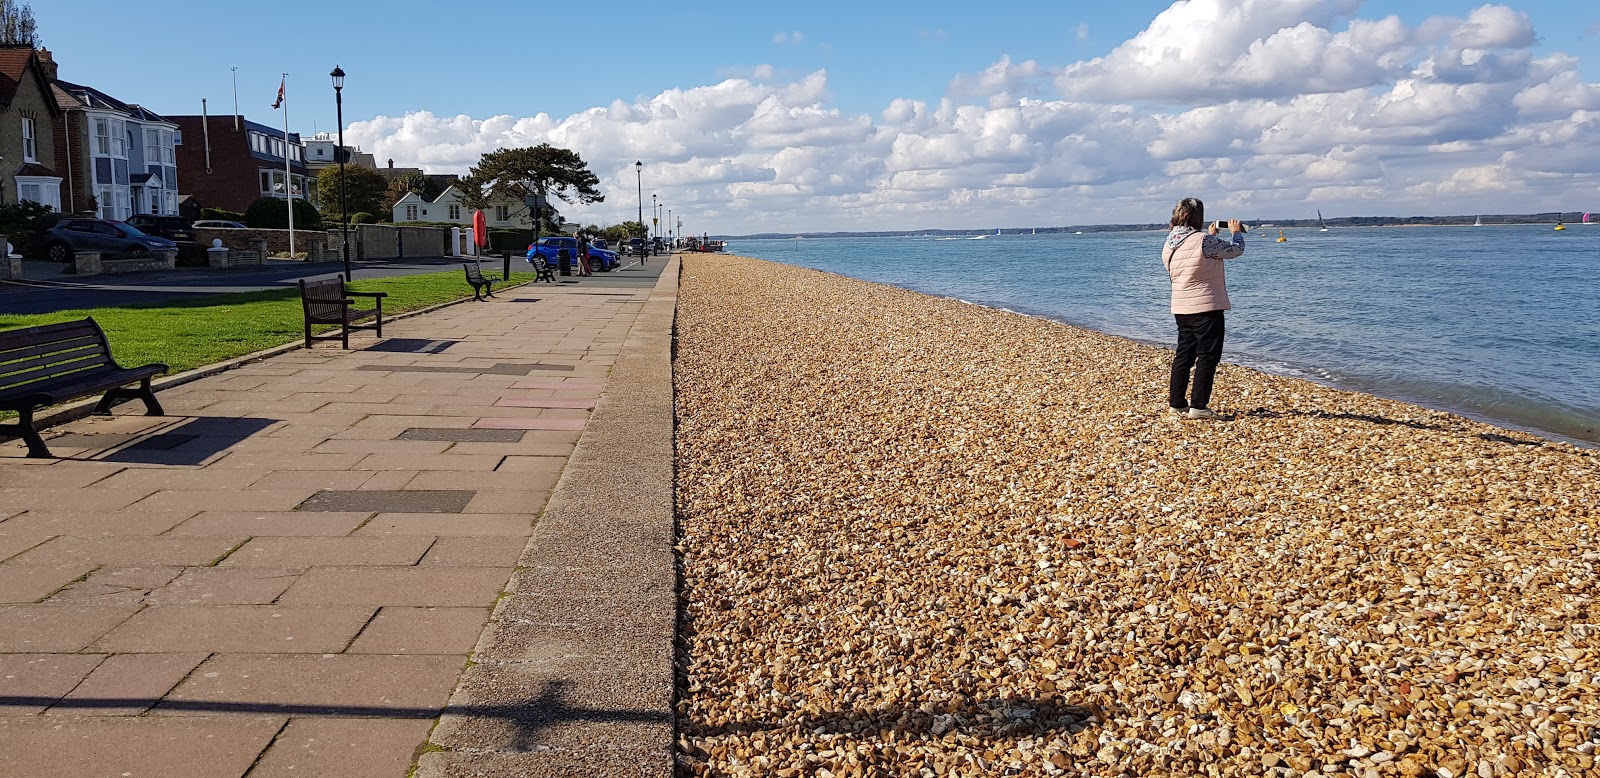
[(316, 555)]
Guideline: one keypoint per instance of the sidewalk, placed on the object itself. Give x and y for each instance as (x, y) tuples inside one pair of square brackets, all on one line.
[(314, 557)]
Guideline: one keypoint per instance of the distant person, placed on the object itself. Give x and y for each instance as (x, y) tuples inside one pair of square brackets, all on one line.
[(1193, 256), (583, 253)]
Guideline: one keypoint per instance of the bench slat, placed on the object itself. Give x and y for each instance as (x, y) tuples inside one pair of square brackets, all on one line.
[(22, 383), (27, 337), (81, 356), (51, 393), (8, 356)]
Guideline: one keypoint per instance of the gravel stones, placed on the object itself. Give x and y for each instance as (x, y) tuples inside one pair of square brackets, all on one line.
[(921, 537)]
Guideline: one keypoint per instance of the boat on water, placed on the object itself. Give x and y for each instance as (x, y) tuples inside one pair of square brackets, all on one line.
[(1321, 225), (1479, 222)]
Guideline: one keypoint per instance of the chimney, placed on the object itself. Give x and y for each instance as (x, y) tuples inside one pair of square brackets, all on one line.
[(47, 62), (391, 164)]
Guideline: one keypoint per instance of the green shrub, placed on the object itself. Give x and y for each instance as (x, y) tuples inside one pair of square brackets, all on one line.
[(193, 255), (362, 217), (24, 225), (270, 213)]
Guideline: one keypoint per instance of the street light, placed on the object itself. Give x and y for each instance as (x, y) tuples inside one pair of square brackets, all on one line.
[(654, 222), (344, 210), (669, 229)]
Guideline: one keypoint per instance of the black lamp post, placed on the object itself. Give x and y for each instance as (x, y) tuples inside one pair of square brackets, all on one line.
[(638, 178), (655, 230), (344, 210)]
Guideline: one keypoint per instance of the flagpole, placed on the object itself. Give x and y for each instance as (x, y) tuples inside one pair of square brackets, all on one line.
[(288, 172)]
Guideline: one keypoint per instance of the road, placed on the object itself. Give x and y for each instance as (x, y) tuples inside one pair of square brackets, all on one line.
[(45, 291)]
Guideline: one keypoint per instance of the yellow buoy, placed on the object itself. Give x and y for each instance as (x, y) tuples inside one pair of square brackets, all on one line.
[(1560, 226), (1282, 239)]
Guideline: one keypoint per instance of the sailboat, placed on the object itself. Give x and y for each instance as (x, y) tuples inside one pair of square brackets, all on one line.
[(1321, 226), (1479, 222)]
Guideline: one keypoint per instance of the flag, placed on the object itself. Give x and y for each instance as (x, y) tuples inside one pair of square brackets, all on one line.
[(279, 101)]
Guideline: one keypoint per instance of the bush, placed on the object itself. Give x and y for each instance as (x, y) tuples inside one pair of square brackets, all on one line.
[(193, 255), (270, 213), (362, 217), (24, 225), (223, 215)]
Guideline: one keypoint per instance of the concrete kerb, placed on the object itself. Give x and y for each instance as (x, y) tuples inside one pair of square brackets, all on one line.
[(555, 650), (81, 408)]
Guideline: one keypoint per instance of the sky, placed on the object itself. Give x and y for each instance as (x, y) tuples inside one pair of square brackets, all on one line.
[(843, 116)]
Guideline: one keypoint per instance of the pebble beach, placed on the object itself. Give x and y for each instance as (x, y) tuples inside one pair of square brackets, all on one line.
[(922, 537)]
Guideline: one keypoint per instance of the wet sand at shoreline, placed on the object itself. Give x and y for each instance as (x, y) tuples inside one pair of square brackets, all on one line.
[(925, 537)]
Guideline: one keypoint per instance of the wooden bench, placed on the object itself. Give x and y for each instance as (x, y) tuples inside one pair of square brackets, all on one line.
[(51, 364), (481, 286), (541, 269), (329, 302)]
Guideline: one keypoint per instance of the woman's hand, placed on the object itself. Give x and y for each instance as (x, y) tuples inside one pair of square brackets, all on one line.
[(1235, 226), (1213, 229)]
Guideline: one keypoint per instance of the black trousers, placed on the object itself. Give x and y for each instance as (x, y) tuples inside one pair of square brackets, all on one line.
[(1200, 348)]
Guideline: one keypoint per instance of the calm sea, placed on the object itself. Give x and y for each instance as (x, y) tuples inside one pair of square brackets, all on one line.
[(1496, 323)]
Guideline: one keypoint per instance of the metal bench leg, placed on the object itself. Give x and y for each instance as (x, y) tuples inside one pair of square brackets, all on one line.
[(24, 429), (152, 406)]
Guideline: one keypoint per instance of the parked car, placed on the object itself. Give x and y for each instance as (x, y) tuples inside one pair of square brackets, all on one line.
[(169, 227), (599, 258), (215, 224), (638, 246), (106, 237)]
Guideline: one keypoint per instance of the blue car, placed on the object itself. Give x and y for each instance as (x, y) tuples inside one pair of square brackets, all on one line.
[(599, 259)]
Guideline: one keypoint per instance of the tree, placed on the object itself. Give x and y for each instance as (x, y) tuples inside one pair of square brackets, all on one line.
[(16, 25), (512, 174), (366, 191)]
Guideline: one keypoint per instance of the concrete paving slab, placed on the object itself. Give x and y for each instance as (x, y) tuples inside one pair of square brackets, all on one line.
[(63, 747), (57, 628), (115, 586), (127, 684), (86, 523), (237, 629), (22, 583), (127, 551), (236, 523), (30, 683), (476, 551), (310, 552), (526, 710), (337, 685), (512, 525), (385, 501), (419, 586), (402, 630), (364, 748), (226, 586), (523, 501)]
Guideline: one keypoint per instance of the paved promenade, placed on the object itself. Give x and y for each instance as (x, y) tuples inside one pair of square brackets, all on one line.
[(448, 549)]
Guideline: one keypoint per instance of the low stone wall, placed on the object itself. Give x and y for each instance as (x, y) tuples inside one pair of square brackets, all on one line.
[(387, 241), (226, 257), (90, 263), (277, 240), (10, 267)]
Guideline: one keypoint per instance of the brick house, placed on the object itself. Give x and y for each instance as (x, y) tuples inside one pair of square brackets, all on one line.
[(241, 165), (28, 118)]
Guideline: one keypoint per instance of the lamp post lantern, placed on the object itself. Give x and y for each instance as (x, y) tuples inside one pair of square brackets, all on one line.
[(344, 210)]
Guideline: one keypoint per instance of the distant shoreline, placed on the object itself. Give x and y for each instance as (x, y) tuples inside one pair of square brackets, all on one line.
[(1497, 220)]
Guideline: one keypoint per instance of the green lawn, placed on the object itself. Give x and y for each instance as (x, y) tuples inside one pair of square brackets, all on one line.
[(189, 334)]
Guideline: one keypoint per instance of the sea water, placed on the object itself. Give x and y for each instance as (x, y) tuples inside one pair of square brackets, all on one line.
[(1496, 323)]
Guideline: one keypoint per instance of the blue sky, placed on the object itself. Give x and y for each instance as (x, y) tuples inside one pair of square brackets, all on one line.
[(426, 80)]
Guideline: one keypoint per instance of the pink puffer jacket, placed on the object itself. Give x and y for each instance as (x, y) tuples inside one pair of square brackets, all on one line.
[(1194, 261)]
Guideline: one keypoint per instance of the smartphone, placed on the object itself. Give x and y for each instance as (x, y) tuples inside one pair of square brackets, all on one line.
[(1222, 226)]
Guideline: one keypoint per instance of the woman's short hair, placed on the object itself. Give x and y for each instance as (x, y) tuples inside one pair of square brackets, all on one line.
[(1189, 212)]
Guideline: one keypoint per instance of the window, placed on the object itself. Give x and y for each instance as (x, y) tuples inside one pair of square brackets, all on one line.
[(152, 146), (172, 202), (502, 213), (30, 147), (411, 213), (167, 142), (108, 204), (102, 137), (119, 146), (41, 190), (455, 212)]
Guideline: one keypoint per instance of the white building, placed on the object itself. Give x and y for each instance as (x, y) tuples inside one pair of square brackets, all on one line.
[(447, 207)]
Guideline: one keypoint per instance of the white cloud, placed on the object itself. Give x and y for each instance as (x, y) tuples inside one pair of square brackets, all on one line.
[(1081, 32), (788, 37), (1289, 105)]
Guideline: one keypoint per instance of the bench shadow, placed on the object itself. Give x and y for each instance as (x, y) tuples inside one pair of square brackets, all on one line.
[(529, 718), (190, 441), (992, 718)]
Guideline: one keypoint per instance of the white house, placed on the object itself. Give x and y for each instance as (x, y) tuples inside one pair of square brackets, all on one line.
[(447, 207)]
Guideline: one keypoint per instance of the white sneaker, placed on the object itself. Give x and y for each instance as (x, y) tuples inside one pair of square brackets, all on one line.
[(1202, 413), (1177, 412)]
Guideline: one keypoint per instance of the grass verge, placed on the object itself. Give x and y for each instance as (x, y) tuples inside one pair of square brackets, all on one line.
[(187, 334)]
